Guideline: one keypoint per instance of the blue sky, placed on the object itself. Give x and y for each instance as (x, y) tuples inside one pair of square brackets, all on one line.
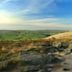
[(36, 14)]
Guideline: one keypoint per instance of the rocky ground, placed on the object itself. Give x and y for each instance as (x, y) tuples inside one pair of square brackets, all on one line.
[(36, 60), (32, 61), (66, 65)]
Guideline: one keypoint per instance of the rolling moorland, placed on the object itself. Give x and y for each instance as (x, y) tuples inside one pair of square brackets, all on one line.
[(34, 51), (26, 34)]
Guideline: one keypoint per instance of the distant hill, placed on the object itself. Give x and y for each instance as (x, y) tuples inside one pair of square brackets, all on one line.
[(26, 34)]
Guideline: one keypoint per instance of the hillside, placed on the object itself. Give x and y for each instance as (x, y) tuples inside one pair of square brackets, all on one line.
[(61, 36), (36, 55)]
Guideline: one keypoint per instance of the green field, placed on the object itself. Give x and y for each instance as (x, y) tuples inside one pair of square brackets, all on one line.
[(25, 34)]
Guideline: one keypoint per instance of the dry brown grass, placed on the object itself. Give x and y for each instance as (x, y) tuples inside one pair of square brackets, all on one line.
[(61, 36)]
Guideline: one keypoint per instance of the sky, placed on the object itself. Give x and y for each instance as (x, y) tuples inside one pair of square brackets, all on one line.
[(35, 14)]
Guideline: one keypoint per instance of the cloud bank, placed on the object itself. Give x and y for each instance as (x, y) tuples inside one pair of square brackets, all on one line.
[(35, 14)]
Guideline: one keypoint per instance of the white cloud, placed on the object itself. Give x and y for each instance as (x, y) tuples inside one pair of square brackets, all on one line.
[(3, 2), (35, 6), (10, 21)]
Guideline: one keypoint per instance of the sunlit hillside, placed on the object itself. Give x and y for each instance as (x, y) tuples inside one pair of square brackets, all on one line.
[(62, 36), (33, 54)]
